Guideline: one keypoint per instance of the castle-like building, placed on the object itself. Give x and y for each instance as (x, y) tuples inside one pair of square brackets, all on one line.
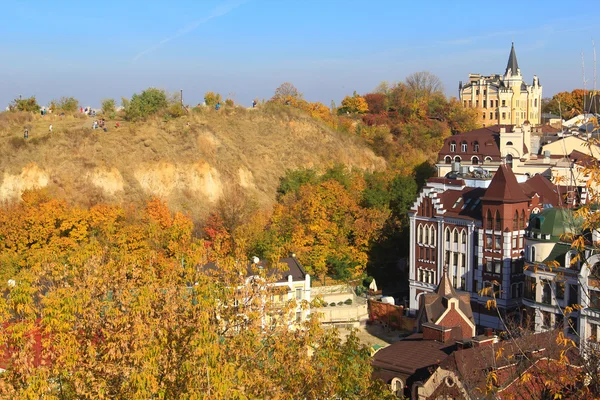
[(504, 99)]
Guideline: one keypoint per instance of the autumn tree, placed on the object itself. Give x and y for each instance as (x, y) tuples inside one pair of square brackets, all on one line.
[(424, 83), (354, 104), (376, 102), (325, 225), (112, 302), (286, 93), (212, 98)]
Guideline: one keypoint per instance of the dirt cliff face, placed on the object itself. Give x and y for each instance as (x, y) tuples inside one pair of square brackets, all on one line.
[(189, 162)]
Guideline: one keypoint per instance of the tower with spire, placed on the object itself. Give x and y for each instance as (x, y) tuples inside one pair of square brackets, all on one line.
[(504, 99)]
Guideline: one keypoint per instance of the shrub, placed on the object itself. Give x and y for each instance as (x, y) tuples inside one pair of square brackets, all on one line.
[(145, 104), (211, 98), (229, 102), (65, 104), (29, 104), (108, 106), (175, 110)]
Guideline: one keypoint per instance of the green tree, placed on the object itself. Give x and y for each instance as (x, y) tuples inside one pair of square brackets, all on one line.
[(145, 104), (66, 104), (108, 106), (294, 179), (28, 104), (403, 191)]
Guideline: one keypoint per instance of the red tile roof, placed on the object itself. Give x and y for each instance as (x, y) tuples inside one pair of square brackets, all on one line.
[(488, 139), (544, 188), (411, 355), (467, 207), (505, 188)]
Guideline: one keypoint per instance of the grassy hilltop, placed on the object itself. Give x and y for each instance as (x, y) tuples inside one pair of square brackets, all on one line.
[(190, 161)]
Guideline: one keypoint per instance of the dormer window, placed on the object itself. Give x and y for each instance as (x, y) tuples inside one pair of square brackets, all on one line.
[(476, 147), (463, 147), (453, 146)]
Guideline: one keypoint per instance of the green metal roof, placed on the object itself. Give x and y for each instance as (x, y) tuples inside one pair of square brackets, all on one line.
[(554, 222), (558, 254)]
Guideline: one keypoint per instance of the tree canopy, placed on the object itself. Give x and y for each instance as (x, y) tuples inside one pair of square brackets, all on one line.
[(112, 302)]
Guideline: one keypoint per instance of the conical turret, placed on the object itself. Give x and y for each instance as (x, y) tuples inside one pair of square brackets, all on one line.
[(512, 64)]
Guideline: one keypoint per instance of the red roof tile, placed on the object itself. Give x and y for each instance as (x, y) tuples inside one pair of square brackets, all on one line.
[(504, 187)]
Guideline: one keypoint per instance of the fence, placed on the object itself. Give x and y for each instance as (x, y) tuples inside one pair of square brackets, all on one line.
[(390, 315)]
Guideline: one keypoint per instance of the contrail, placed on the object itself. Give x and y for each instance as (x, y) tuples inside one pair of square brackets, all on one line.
[(217, 12)]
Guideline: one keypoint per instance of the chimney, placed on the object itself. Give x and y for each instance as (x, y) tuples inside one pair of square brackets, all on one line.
[(488, 332)]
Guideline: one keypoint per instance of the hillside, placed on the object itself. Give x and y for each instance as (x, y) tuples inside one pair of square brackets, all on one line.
[(190, 161)]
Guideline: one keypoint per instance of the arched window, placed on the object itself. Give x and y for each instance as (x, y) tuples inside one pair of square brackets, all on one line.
[(464, 237), (488, 158), (432, 236), (420, 233), (489, 224), (509, 160), (463, 146), (509, 143), (516, 221), (522, 220), (453, 146), (455, 236), (475, 160), (426, 234), (448, 160), (532, 254), (498, 225), (476, 146), (457, 159), (447, 234)]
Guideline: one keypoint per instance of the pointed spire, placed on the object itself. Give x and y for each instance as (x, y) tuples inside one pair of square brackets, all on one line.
[(512, 64), (445, 288)]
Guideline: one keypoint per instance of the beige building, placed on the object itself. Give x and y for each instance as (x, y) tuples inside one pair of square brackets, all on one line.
[(504, 99)]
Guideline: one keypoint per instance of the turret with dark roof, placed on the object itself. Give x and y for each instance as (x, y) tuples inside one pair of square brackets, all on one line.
[(505, 188), (512, 64)]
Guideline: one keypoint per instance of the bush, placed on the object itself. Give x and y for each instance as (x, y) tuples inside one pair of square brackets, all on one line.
[(211, 99), (29, 104), (108, 106), (143, 105), (175, 110), (65, 104), (229, 102)]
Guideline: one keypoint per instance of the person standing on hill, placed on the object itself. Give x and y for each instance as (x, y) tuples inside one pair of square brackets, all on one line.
[(26, 134), (50, 128)]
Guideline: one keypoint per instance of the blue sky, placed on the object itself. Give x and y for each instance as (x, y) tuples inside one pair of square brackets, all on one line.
[(245, 49)]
